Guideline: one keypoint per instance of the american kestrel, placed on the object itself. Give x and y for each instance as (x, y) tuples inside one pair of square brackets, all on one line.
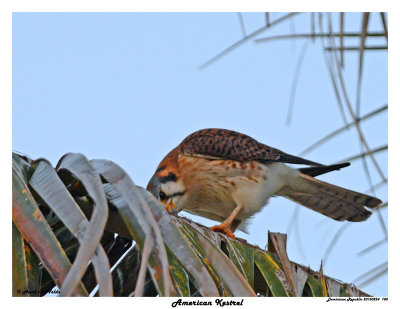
[(228, 176)]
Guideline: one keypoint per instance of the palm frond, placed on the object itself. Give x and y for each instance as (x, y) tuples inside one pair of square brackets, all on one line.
[(245, 39), (136, 248)]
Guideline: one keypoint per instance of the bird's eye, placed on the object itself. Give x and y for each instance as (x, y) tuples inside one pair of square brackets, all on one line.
[(162, 196)]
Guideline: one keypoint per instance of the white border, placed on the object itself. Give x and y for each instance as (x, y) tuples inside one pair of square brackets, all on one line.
[(8, 6)]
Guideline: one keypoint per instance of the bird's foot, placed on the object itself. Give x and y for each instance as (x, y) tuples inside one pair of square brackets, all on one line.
[(223, 228)]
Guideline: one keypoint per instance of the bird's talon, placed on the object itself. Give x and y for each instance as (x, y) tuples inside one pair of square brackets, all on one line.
[(223, 228)]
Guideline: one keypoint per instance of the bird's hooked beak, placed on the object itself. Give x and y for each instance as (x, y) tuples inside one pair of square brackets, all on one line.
[(170, 206)]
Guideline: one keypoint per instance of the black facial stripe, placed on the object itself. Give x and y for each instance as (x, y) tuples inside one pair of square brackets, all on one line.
[(176, 194), (169, 177), (161, 168)]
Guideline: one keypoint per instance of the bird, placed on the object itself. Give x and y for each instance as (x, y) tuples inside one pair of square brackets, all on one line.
[(227, 176)]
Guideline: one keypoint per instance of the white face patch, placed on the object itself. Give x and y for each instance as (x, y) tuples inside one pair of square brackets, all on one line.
[(171, 188)]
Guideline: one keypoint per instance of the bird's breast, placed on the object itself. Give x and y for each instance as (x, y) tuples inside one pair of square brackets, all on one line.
[(218, 186)]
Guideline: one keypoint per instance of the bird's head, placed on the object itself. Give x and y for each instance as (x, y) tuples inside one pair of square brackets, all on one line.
[(166, 185), (167, 188)]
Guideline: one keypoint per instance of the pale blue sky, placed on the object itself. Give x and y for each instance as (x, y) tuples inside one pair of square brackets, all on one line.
[(126, 87)]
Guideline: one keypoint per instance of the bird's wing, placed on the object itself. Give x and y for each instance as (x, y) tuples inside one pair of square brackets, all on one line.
[(231, 145), (319, 170)]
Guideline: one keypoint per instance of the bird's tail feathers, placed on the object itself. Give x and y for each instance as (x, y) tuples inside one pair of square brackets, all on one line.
[(244, 225), (330, 200)]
